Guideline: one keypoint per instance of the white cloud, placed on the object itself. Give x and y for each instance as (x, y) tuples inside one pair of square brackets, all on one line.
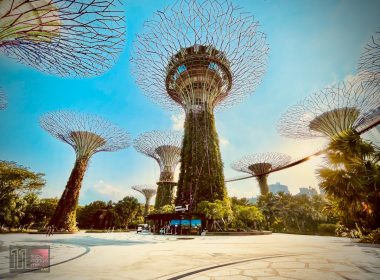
[(106, 189), (178, 121), (223, 141), (110, 192)]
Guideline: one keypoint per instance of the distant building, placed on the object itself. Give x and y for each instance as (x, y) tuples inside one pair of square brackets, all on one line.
[(276, 188), (308, 191)]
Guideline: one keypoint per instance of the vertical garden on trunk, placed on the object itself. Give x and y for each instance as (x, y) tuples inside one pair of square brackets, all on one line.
[(201, 176)]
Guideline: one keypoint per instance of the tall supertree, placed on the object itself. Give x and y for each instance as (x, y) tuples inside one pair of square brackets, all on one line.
[(64, 37), (369, 63), (261, 165), (3, 100), (148, 192), (200, 55), (165, 148), (332, 112), (87, 134)]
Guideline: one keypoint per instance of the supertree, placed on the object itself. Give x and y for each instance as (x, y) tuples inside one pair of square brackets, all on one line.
[(369, 63), (200, 55), (3, 100), (87, 134), (165, 148), (332, 112), (148, 192), (63, 37), (261, 165)]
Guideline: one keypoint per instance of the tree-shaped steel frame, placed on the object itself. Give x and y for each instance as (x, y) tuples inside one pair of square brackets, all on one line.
[(371, 122), (148, 192), (261, 165), (3, 100), (87, 134), (225, 38), (200, 55), (331, 112), (165, 148), (369, 62), (63, 37)]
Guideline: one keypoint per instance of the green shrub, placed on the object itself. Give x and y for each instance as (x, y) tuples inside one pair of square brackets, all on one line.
[(327, 229)]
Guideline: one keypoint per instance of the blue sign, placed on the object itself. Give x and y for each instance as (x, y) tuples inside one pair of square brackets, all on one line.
[(194, 223)]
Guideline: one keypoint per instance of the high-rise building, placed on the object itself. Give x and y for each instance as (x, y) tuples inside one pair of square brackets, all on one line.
[(308, 191), (278, 187)]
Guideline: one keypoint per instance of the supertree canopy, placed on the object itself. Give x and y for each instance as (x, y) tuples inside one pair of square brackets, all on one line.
[(199, 55), (369, 63), (3, 100), (331, 112), (63, 37), (165, 148), (87, 134), (261, 165), (148, 192)]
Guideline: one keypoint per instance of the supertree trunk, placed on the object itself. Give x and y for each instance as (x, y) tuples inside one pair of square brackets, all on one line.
[(148, 192), (87, 135), (201, 176), (263, 184), (165, 194), (146, 207), (64, 217)]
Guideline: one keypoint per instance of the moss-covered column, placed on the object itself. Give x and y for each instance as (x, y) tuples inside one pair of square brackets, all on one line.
[(201, 175), (165, 194), (263, 184), (64, 217)]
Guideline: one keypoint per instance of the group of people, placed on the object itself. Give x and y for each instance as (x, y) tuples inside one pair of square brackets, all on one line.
[(170, 229), (177, 229)]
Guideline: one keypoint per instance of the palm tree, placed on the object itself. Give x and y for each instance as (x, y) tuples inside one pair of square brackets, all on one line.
[(352, 180)]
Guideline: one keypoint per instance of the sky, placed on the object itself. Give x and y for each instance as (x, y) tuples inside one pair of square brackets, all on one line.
[(313, 44)]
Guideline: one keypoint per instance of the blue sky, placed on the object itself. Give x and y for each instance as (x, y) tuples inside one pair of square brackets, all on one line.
[(313, 44)]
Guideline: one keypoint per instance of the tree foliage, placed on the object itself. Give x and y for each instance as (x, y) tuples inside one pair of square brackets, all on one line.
[(127, 209), (102, 215), (168, 208), (17, 186), (247, 217), (351, 181), (17, 179), (219, 213), (299, 213)]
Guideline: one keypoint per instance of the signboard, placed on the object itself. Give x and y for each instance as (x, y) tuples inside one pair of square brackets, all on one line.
[(194, 223), (182, 208)]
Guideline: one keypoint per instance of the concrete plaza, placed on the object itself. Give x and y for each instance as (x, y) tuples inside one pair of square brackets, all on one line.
[(133, 256)]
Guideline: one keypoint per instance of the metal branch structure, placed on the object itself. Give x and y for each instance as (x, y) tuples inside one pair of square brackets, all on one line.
[(372, 123), (332, 112), (261, 165), (148, 192), (199, 55), (63, 37), (369, 62), (87, 134), (373, 135), (165, 148), (3, 100)]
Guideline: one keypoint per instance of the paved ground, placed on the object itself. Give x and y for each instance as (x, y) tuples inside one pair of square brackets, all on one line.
[(132, 256)]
